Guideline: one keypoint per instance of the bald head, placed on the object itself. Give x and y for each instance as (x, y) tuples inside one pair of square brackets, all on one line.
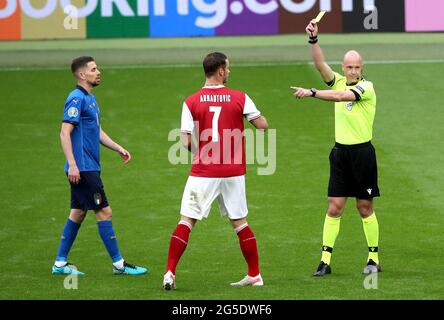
[(352, 66), (352, 57)]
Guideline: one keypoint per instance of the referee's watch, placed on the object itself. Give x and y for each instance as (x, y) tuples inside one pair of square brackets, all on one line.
[(313, 92)]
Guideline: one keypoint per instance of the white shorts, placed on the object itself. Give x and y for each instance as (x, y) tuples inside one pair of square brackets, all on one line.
[(200, 193)]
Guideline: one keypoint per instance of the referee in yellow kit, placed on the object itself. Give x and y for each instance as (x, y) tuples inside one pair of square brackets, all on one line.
[(353, 168)]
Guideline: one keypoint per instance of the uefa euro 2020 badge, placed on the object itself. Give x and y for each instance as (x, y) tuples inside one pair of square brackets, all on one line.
[(73, 112), (349, 105)]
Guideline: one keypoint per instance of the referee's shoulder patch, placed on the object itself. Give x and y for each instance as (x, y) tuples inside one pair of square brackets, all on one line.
[(360, 89)]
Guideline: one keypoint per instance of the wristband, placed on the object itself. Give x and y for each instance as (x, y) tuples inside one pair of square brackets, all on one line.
[(313, 40)]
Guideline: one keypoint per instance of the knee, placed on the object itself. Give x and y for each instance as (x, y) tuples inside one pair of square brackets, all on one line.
[(104, 214), (365, 209), (77, 216), (334, 211), (335, 208)]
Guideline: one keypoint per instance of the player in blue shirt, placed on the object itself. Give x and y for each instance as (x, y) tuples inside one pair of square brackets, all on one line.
[(81, 136)]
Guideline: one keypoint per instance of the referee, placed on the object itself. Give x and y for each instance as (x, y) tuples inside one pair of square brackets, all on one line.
[(353, 168)]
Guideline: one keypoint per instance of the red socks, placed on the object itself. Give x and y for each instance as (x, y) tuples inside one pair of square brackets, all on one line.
[(178, 244), (247, 241), (248, 246)]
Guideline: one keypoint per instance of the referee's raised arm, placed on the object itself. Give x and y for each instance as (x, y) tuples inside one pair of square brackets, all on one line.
[(316, 52)]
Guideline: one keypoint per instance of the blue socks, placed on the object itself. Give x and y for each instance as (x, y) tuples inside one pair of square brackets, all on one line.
[(108, 236), (69, 234)]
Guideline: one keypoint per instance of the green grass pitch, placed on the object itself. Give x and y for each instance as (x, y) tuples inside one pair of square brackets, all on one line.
[(140, 106)]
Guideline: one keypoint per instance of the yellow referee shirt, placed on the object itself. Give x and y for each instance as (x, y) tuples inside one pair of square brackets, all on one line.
[(354, 119)]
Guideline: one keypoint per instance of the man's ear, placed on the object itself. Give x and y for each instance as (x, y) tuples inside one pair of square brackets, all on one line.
[(80, 75)]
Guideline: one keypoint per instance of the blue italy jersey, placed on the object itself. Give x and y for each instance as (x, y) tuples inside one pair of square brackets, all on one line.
[(82, 110)]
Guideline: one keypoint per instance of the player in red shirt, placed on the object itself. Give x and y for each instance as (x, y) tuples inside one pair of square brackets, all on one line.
[(216, 116)]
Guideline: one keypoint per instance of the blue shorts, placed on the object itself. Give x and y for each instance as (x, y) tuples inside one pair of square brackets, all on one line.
[(89, 193)]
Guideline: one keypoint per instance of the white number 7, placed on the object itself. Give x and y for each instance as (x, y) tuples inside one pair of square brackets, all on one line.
[(215, 133)]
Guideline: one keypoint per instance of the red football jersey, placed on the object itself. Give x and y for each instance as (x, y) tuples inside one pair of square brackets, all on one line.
[(216, 114)]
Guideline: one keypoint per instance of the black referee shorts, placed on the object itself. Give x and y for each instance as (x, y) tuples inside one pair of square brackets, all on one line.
[(353, 171), (89, 193)]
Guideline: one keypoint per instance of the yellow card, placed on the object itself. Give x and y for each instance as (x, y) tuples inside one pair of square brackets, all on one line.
[(319, 17)]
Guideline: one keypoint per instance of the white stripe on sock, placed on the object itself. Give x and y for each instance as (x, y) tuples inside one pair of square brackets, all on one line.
[(240, 228), (249, 239), (180, 239), (185, 223)]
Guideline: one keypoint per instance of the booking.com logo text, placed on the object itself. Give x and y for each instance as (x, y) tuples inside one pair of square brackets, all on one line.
[(211, 14)]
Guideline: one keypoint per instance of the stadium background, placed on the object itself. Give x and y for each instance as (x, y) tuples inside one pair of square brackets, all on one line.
[(47, 19), (148, 69)]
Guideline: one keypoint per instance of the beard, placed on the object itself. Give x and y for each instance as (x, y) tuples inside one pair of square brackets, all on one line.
[(94, 83)]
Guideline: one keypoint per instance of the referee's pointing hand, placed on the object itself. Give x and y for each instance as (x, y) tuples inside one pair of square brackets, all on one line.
[(300, 93)]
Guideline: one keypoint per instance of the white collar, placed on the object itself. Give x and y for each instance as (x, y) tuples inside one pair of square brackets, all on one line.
[(213, 86)]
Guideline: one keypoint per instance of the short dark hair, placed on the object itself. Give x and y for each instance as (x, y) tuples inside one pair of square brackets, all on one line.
[(80, 62), (212, 63)]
